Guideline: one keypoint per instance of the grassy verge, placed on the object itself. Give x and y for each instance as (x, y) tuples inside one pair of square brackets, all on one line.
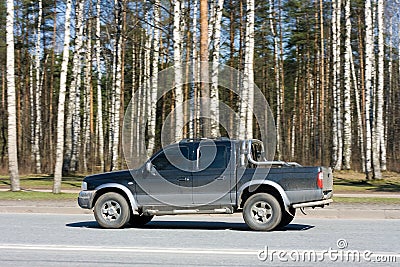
[(32, 195), (43, 182), (367, 200), (355, 182)]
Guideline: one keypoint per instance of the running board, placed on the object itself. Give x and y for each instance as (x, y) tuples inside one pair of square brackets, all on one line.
[(188, 211)]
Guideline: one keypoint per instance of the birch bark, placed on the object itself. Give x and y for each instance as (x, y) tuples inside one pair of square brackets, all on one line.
[(347, 91), (369, 59), (11, 100), (177, 39), (379, 149), (154, 82), (38, 117), (99, 88), (61, 102), (214, 94)]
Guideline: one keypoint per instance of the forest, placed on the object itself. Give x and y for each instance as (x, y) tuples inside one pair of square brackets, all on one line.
[(70, 70)]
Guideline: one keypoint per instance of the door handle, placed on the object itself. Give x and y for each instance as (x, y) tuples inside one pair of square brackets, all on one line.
[(220, 178), (183, 179)]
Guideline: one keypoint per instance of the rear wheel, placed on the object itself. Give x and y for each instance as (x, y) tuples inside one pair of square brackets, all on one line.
[(262, 212), (112, 211), (287, 217), (139, 220)]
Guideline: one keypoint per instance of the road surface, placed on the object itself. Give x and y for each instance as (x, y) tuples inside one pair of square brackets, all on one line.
[(76, 240)]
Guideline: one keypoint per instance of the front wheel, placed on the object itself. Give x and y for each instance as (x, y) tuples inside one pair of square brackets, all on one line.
[(112, 211), (262, 212)]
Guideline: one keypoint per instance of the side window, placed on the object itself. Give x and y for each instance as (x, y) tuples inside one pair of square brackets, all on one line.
[(162, 162), (212, 157)]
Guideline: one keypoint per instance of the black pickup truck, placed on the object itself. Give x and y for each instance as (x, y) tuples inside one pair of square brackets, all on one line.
[(207, 176)]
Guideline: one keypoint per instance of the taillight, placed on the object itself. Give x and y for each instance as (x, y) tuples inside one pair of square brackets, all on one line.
[(320, 180)]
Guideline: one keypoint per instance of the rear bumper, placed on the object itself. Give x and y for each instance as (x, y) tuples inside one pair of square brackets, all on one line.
[(85, 199), (313, 204)]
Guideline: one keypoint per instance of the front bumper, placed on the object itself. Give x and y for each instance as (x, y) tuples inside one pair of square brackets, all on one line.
[(85, 199)]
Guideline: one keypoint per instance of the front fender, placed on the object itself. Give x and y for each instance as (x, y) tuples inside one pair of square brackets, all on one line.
[(128, 193), (273, 184)]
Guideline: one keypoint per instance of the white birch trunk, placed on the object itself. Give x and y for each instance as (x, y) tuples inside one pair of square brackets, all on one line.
[(214, 94), (177, 39), (154, 83), (379, 150), (32, 111), (117, 87), (76, 87), (360, 130), (294, 118), (99, 89), (11, 101), (249, 62), (87, 99), (61, 102), (347, 91), (38, 118), (337, 142), (244, 92), (369, 59)]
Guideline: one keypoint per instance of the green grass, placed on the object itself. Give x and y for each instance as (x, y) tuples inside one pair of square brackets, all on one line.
[(354, 182), (366, 200), (32, 195), (43, 182)]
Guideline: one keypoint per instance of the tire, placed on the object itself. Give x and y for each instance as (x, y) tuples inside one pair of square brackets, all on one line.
[(112, 211), (287, 217), (140, 220), (262, 212)]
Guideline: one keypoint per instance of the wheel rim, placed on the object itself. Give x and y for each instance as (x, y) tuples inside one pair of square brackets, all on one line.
[(261, 212), (111, 211)]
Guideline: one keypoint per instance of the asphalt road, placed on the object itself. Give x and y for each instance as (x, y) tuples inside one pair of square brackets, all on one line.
[(76, 240)]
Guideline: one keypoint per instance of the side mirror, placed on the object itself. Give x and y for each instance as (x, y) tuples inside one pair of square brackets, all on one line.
[(150, 168)]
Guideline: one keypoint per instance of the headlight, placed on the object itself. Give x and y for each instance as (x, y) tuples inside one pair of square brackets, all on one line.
[(84, 186)]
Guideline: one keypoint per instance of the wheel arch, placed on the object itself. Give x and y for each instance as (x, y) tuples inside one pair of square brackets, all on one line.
[(120, 189), (265, 186)]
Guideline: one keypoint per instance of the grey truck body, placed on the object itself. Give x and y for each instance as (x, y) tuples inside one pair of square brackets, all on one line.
[(210, 176)]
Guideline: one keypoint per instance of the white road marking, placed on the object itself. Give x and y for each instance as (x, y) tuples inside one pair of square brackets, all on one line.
[(162, 250), (128, 249)]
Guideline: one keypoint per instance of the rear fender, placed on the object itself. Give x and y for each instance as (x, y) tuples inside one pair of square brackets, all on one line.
[(255, 184)]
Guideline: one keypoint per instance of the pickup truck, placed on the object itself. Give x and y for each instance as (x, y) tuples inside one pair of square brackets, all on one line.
[(207, 176)]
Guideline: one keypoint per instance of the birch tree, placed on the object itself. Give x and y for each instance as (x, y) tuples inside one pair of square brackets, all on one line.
[(99, 118), (347, 90), (248, 67), (337, 141), (154, 83), (116, 93), (379, 149), (87, 103), (214, 95), (11, 101), (75, 97), (61, 102), (177, 38), (38, 92), (369, 59)]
